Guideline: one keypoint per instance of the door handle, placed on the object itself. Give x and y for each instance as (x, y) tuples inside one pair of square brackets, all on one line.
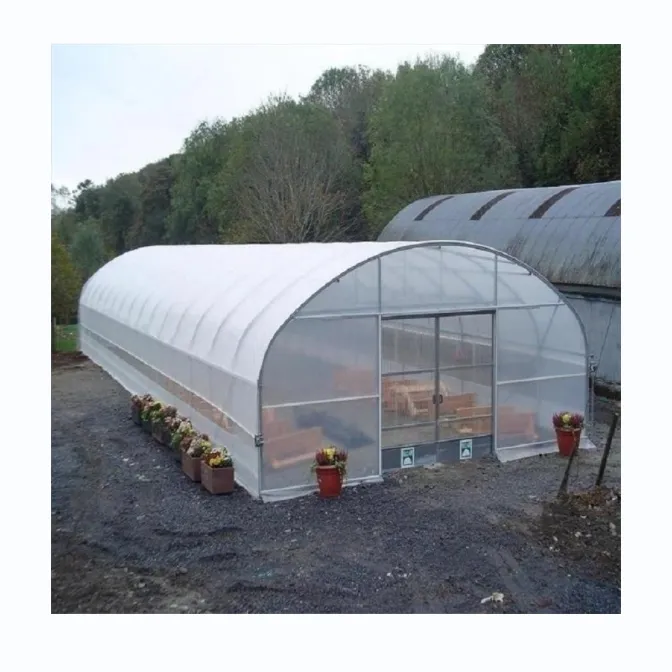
[(440, 399)]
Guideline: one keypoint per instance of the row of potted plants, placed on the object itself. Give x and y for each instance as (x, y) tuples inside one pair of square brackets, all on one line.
[(201, 461)]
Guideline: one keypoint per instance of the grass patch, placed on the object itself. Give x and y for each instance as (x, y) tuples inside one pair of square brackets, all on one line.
[(66, 338)]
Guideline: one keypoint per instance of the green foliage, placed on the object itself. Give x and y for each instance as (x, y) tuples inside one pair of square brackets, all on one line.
[(66, 338), (65, 283), (88, 248), (432, 133), (362, 144)]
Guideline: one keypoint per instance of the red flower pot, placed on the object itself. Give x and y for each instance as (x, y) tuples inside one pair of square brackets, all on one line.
[(566, 439), (329, 481)]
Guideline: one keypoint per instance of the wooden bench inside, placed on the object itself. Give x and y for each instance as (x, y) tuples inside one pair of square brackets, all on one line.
[(411, 398), (452, 402), (292, 447), (510, 421), (475, 420)]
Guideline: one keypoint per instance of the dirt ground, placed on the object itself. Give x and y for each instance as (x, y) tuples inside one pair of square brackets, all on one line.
[(130, 534)]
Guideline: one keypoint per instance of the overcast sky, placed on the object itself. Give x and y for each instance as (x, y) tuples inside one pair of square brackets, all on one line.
[(117, 108)]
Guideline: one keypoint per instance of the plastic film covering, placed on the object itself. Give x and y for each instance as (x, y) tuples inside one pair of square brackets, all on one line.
[(209, 327), (320, 387)]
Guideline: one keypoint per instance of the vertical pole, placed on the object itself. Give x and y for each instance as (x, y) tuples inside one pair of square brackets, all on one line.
[(562, 491), (493, 378), (437, 355), (607, 448), (380, 368), (260, 435), (591, 389), (495, 371)]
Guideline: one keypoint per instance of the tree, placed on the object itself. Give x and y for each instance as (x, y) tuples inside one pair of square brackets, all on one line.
[(60, 199), (197, 185), (156, 181), (527, 94), (297, 178), (350, 94), (433, 133), (119, 209), (559, 106), (87, 251), (65, 286), (591, 137)]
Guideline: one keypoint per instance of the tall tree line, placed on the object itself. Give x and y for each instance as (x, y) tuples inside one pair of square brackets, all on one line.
[(338, 163)]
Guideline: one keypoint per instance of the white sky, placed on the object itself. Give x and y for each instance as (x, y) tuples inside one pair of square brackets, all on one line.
[(116, 108)]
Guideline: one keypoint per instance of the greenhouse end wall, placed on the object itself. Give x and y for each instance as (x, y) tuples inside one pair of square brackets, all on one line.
[(459, 323)]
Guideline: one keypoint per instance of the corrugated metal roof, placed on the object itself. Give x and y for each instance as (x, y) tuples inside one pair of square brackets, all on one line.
[(574, 242)]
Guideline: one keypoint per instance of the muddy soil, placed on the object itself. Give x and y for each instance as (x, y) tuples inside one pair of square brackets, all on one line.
[(130, 534)]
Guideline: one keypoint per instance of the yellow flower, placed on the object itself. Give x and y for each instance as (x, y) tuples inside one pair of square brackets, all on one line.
[(566, 418)]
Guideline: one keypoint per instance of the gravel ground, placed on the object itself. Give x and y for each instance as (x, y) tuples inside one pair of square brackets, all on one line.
[(130, 534)]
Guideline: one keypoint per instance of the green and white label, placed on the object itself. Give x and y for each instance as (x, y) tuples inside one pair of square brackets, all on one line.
[(466, 449), (407, 457)]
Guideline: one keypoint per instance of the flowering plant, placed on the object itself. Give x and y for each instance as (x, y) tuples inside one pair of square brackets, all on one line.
[(141, 402), (568, 421), (159, 413), (199, 445), (217, 458), (149, 409), (331, 457), (180, 433)]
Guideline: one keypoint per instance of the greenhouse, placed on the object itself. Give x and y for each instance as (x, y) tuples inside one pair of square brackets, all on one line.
[(402, 353), (569, 234)]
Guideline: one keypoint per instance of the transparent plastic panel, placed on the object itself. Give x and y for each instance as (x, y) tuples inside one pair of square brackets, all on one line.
[(517, 286), (293, 434), (465, 402), (408, 408), (408, 344), (539, 342), (436, 278), (313, 359), (356, 291), (525, 410), (465, 340)]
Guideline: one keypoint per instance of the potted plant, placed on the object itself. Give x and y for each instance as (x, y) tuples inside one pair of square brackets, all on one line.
[(146, 415), (181, 436), (138, 403), (217, 471), (160, 417), (330, 467), (192, 456), (568, 428)]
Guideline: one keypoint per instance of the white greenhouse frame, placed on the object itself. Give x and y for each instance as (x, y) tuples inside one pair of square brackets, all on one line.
[(276, 350)]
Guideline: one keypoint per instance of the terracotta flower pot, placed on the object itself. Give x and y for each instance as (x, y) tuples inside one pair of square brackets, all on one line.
[(566, 439), (329, 481), (135, 415), (217, 481), (191, 466)]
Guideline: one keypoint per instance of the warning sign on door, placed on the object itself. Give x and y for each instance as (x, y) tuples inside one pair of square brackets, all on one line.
[(466, 449), (407, 457)]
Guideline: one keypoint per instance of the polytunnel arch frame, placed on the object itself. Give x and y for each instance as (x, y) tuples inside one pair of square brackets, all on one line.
[(494, 309)]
